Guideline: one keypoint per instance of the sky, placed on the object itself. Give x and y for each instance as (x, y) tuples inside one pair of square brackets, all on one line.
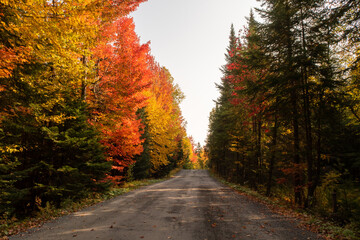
[(190, 37)]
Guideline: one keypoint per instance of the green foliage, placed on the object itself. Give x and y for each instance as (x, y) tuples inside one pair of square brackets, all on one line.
[(287, 121), (142, 166), (57, 161), (308, 219), (188, 164), (70, 89), (11, 225), (68, 104)]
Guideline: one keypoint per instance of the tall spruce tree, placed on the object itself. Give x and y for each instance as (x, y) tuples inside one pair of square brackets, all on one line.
[(55, 161), (299, 43), (279, 16), (222, 120)]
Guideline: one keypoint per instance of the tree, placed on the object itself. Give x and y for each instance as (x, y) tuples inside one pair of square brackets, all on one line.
[(46, 67), (291, 98), (164, 119), (221, 118), (119, 92)]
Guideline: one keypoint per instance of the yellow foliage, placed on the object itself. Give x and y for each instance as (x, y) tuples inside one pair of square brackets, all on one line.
[(331, 179), (163, 119), (11, 149), (58, 34), (58, 119), (162, 141)]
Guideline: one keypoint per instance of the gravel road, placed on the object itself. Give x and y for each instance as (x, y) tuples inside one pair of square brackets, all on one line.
[(191, 205)]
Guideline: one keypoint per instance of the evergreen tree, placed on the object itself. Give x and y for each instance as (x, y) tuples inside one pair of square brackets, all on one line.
[(54, 162), (222, 119), (142, 166), (290, 94)]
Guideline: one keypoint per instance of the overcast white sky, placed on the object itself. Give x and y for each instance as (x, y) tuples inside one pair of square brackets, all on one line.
[(189, 37)]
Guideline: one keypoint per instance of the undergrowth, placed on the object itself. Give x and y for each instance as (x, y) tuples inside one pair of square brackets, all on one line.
[(326, 228), (12, 225)]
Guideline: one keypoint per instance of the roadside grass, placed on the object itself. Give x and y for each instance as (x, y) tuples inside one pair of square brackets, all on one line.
[(11, 225), (308, 220)]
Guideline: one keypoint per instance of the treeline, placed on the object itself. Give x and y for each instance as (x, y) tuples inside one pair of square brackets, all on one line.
[(198, 158), (83, 104), (287, 122)]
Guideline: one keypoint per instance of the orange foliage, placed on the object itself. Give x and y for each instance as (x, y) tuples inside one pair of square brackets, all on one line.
[(123, 78), (10, 58)]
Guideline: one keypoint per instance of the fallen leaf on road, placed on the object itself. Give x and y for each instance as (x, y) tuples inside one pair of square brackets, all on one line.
[(213, 225)]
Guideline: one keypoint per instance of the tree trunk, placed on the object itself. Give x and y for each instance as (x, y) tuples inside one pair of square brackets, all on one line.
[(258, 152), (293, 84), (84, 81), (296, 153), (307, 117), (272, 158)]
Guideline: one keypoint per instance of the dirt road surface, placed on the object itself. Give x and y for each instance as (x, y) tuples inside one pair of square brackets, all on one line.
[(191, 205)]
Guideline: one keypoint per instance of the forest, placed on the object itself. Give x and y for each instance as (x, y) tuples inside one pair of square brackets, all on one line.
[(287, 122), (83, 105)]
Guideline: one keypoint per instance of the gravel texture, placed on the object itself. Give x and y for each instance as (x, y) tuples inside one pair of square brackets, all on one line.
[(191, 205)]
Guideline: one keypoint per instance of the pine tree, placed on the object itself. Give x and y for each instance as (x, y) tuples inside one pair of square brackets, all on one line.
[(55, 161), (222, 119), (142, 165)]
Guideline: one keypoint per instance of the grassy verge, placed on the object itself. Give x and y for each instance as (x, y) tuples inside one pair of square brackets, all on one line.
[(11, 226), (327, 229)]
